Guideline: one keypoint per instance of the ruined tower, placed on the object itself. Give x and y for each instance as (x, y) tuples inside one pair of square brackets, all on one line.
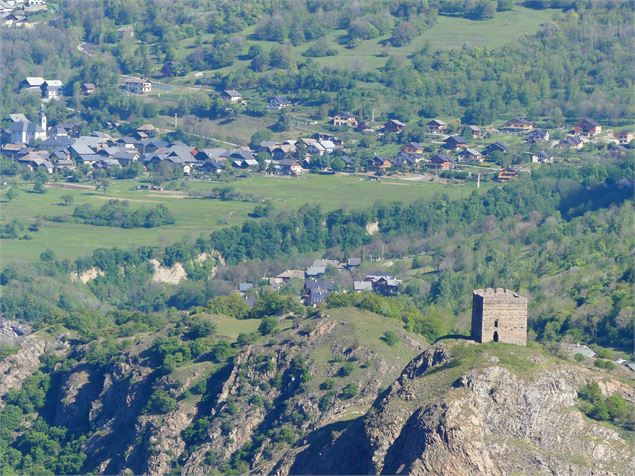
[(499, 315)]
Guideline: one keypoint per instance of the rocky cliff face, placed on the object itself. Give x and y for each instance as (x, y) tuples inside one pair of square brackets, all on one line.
[(16, 368), (443, 417)]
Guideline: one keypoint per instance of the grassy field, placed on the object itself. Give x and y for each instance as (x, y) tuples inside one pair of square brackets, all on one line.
[(194, 217), (447, 33)]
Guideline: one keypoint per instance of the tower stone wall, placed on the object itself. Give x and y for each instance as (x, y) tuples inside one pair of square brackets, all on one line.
[(499, 315)]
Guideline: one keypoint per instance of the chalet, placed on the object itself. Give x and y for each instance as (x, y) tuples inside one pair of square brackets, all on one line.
[(518, 125), (474, 131), (151, 146), (380, 163), (89, 159), (11, 150), (441, 162), (315, 271), (32, 82), (537, 135), (313, 147), (326, 262), (362, 286), (211, 154), (290, 274), (471, 155), (404, 159), (51, 89), (349, 162), (232, 95), (316, 292), (353, 263), (625, 137), (495, 147), (587, 127), (437, 126), (126, 157), (542, 157), (138, 86), (394, 125), (413, 148), (35, 161), (455, 142), (88, 89), (279, 102), (240, 154), (506, 174), (211, 166), (148, 129), (387, 286), (322, 136), (290, 167), (571, 142), (345, 119), (245, 163)]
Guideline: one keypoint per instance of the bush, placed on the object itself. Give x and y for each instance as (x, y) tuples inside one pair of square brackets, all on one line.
[(349, 391), (614, 409), (160, 402), (346, 369), (390, 338), (268, 326), (328, 384), (604, 364)]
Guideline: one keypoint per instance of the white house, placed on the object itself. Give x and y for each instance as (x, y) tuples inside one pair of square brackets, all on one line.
[(138, 86)]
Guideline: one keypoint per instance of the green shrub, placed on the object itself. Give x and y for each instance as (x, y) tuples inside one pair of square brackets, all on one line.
[(160, 402), (268, 326), (390, 338), (346, 369), (350, 390)]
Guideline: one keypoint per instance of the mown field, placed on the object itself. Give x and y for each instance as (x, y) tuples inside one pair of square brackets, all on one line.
[(194, 217)]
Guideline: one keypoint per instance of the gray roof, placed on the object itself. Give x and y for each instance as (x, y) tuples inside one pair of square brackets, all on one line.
[(362, 285), (81, 149)]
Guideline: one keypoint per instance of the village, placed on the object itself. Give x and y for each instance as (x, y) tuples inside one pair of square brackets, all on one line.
[(472, 151)]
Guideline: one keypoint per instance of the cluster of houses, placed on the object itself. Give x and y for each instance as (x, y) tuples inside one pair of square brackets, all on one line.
[(54, 149), (316, 288), (48, 88), (14, 13), (36, 145)]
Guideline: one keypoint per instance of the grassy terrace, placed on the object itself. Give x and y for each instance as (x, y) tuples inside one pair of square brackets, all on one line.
[(194, 217)]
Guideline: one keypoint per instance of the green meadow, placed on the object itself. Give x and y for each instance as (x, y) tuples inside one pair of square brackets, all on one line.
[(194, 217)]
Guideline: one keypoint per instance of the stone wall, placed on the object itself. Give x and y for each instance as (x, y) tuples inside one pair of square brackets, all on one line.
[(499, 315)]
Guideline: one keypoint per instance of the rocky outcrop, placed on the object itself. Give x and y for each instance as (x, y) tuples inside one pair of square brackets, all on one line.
[(16, 368), (489, 420)]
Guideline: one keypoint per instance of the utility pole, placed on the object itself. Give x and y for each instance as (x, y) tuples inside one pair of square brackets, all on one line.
[(478, 180), (372, 115), (176, 120)]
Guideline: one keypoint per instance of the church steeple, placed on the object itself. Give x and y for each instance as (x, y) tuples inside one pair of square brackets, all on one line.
[(43, 121)]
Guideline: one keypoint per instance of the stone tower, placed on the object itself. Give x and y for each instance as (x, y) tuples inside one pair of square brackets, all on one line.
[(499, 315)]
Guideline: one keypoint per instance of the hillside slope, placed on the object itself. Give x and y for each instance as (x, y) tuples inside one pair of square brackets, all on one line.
[(472, 409)]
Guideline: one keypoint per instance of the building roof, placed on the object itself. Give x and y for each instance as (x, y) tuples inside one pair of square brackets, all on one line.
[(34, 81), (52, 83), (315, 270), (587, 123), (362, 286)]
